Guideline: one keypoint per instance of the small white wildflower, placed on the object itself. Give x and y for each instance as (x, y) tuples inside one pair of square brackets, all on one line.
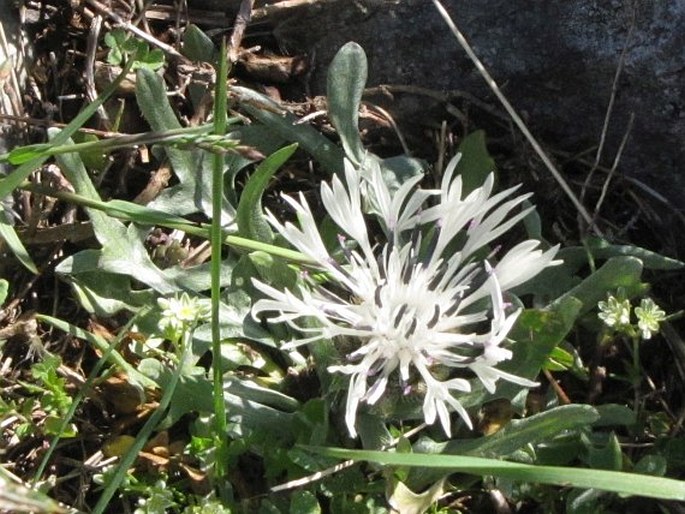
[(181, 313), (418, 301), (649, 315), (614, 312)]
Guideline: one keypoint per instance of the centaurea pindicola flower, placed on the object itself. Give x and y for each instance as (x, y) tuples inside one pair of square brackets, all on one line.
[(423, 298)]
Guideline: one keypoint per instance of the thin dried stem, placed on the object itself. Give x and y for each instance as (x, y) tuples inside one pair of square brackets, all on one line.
[(605, 186), (241, 21), (514, 116)]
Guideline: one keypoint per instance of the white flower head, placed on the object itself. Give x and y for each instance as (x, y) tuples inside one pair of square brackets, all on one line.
[(418, 301), (649, 315), (181, 313), (614, 312)]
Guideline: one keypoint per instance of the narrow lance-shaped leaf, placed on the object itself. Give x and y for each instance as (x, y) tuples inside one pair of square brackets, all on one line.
[(8, 234), (250, 215), (475, 163), (514, 436), (271, 115), (346, 80)]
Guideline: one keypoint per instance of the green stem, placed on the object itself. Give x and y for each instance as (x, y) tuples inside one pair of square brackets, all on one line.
[(216, 240), (636, 373)]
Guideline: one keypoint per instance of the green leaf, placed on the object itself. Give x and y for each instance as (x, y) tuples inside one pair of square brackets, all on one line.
[(53, 425), (235, 321), (532, 222), (285, 125), (197, 46), (153, 101), (652, 465), (4, 288), (273, 270), (304, 502), (404, 500), (110, 39), (93, 159), (8, 234), (154, 60), (397, 170), (475, 163), (193, 168), (346, 80), (373, 431), (619, 482), (24, 154), (537, 333), (602, 249), (617, 272), (606, 455), (311, 423), (250, 216), (559, 360), (123, 251), (518, 433), (539, 428), (612, 414), (105, 294), (194, 394), (585, 501)]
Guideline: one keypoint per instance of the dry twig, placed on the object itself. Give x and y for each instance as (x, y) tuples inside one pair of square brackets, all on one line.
[(515, 117)]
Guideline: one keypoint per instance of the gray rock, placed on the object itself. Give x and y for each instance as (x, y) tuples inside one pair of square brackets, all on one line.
[(554, 59)]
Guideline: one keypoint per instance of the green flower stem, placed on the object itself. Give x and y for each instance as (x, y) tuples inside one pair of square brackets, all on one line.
[(184, 135)]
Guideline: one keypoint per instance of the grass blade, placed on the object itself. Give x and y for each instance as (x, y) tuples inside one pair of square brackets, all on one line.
[(615, 481)]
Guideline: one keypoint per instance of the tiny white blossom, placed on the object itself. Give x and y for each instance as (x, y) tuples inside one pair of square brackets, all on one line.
[(614, 312), (423, 298), (649, 315), (180, 313)]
